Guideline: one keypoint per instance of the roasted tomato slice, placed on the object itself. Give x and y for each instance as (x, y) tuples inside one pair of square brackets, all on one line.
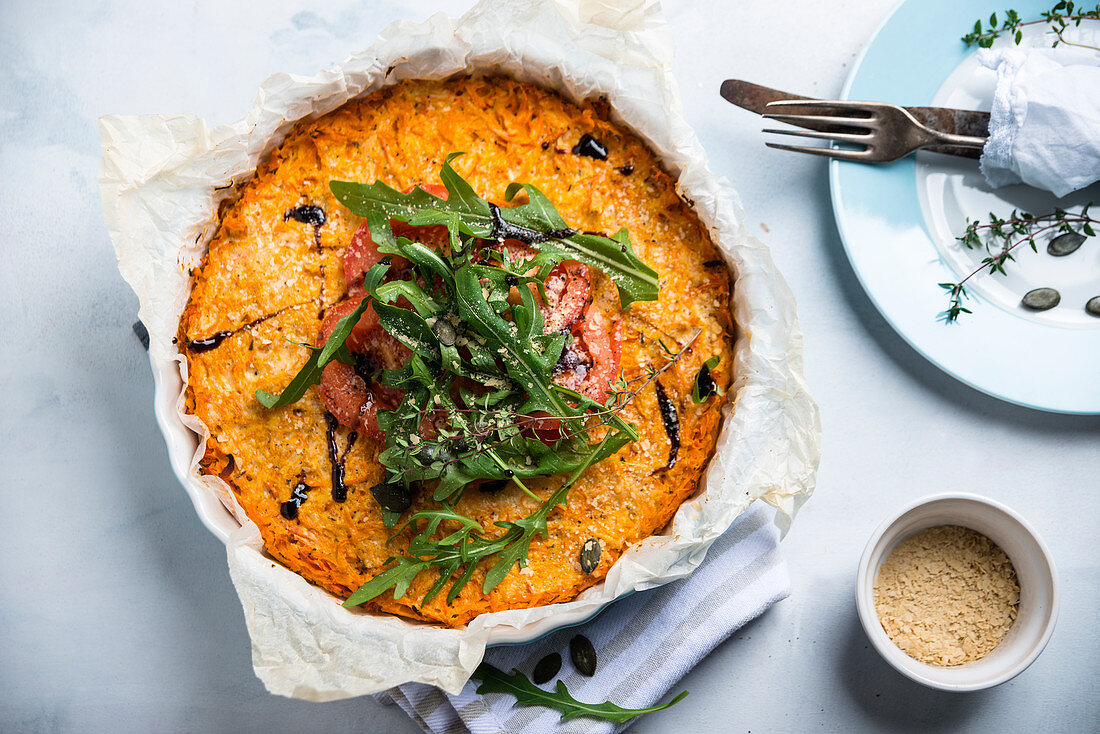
[(568, 288), (362, 253), (348, 392), (591, 363)]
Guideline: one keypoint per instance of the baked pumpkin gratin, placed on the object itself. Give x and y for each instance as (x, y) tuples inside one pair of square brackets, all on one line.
[(439, 392)]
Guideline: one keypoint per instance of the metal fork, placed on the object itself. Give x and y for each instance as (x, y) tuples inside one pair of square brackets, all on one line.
[(886, 132)]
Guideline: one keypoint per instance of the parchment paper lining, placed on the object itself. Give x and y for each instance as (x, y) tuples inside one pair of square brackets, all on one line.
[(163, 177)]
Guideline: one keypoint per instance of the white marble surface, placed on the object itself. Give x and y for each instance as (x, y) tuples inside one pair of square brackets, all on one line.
[(116, 611)]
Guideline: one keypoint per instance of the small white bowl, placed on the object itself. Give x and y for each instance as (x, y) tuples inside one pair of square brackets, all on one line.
[(1034, 569)]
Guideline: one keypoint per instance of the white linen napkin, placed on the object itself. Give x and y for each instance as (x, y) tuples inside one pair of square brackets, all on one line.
[(644, 643), (1044, 128)]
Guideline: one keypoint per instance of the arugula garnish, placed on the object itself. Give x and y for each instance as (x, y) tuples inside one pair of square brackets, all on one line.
[(494, 680), (470, 214), (481, 369)]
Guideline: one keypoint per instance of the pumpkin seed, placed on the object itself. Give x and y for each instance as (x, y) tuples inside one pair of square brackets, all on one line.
[(583, 655), (392, 496), (445, 331), (1065, 244), (546, 668), (1041, 299), (1093, 306), (590, 555)]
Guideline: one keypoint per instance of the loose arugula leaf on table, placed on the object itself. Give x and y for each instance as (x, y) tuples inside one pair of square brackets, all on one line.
[(494, 680)]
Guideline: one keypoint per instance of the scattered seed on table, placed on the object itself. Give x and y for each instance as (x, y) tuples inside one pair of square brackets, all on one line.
[(1065, 244), (1041, 299), (1093, 306), (583, 655), (546, 668)]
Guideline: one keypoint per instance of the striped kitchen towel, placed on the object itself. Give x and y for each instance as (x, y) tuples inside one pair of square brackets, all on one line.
[(644, 643)]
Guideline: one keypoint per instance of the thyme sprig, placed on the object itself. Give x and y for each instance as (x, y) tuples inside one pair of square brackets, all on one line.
[(999, 237), (1064, 14)]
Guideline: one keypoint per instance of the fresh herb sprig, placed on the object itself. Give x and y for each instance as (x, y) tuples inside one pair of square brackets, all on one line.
[(1060, 17), (460, 552), (481, 369), (1000, 236), (494, 680)]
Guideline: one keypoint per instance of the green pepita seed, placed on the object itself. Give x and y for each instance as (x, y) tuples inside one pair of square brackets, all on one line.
[(590, 555), (1093, 306), (445, 332), (583, 655), (1041, 299), (392, 496), (546, 668), (1065, 244)]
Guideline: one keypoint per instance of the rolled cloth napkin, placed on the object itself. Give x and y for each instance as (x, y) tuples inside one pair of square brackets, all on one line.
[(644, 643), (1044, 128)]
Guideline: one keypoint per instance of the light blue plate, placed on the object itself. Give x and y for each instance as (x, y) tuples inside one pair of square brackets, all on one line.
[(1048, 361)]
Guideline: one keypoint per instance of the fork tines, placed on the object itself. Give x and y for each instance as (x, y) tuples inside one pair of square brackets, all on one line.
[(852, 130)]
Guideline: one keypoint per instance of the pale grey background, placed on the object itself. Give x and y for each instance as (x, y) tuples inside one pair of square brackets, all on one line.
[(116, 611)]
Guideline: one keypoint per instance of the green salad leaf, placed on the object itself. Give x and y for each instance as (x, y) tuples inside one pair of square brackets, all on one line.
[(481, 371), (494, 680)]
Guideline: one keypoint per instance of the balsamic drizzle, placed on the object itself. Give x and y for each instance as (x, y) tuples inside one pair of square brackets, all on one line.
[(289, 509), (705, 383), (503, 230), (215, 340), (626, 170), (590, 147), (339, 489), (211, 342), (672, 424), (308, 214), (713, 264)]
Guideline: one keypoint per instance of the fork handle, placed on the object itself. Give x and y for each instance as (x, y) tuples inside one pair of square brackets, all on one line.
[(959, 141)]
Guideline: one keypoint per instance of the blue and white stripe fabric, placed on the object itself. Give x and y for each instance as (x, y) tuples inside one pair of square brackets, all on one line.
[(644, 643)]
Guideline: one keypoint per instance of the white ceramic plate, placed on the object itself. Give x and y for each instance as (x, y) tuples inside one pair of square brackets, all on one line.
[(899, 224)]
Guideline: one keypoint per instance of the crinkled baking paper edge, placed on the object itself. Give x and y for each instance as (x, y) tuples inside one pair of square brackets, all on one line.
[(163, 177)]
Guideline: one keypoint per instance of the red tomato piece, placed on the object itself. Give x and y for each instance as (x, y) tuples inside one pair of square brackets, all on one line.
[(591, 363), (362, 253), (344, 392), (568, 288)]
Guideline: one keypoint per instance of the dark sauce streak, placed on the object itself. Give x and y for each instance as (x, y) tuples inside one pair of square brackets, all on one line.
[(198, 346), (339, 489), (289, 509), (672, 424), (626, 170), (706, 383), (590, 147), (308, 214), (503, 230), (714, 264), (214, 341)]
